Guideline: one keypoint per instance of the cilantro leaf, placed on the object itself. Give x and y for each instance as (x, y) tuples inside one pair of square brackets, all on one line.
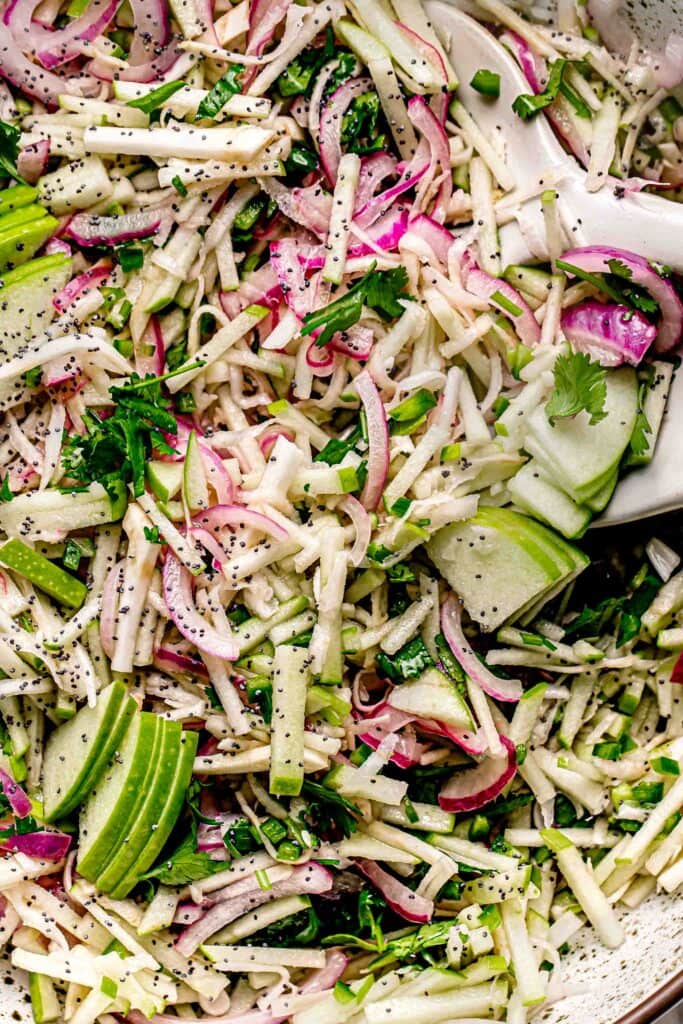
[(640, 439), (186, 864), (9, 150), (580, 384), (299, 76), (115, 450), (359, 132), (408, 662), (222, 91), (619, 268), (329, 809), (527, 106), (380, 290), (407, 947), (383, 290)]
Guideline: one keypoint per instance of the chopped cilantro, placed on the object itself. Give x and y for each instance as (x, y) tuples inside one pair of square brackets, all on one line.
[(381, 290), (408, 662), (579, 385), (330, 810), (186, 864), (115, 449), (9, 150), (527, 106)]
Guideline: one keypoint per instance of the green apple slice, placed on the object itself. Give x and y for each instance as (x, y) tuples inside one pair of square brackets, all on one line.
[(536, 494), (501, 563), (106, 811), (165, 479), (19, 241), (127, 855), (17, 196), (195, 489), (26, 299), (579, 457), (75, 750), (36, 514), (169, 816), (432, 695)]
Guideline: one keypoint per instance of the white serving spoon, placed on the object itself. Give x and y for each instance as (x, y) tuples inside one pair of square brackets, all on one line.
[(643, 223)]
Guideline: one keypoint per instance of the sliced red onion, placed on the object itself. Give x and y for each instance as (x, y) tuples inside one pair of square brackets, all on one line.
[(384, 234), (526, 58), (368, 214), (320, 359), (217, 475), (677, 671), (189, 913), (58, 47), (427, 49), (169, 659), (451, 624), (190, 624), (667, 66), (299, 293), (65, 374), (373, 170), (326, 977), (218, 517), (378, 441), (331, 122), (264, 17), (210, 544), (16, 797), (30, 78), (93, 229), (596, 259), (57, 245), (32, 160), (52, 846), (356, 342), (310, 879), (472, 788), (402, 900), (438, 238), (536, 73), (426, 122), (310, 206), (472, 743), (152, 30), (610, 334), (404, 755), (80, 284), (487, 287), (362, 525), (269, 440)]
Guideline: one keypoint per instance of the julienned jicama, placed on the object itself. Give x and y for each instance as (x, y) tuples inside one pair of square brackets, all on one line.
[(317, 701)]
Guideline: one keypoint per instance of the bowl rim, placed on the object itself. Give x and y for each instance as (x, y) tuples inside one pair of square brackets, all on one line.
[(662, 999)]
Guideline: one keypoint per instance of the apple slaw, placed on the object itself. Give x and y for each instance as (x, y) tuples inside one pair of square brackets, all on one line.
[(316, 703)]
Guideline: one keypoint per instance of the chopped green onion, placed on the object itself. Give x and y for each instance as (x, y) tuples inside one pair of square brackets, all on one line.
[(486, 82)]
